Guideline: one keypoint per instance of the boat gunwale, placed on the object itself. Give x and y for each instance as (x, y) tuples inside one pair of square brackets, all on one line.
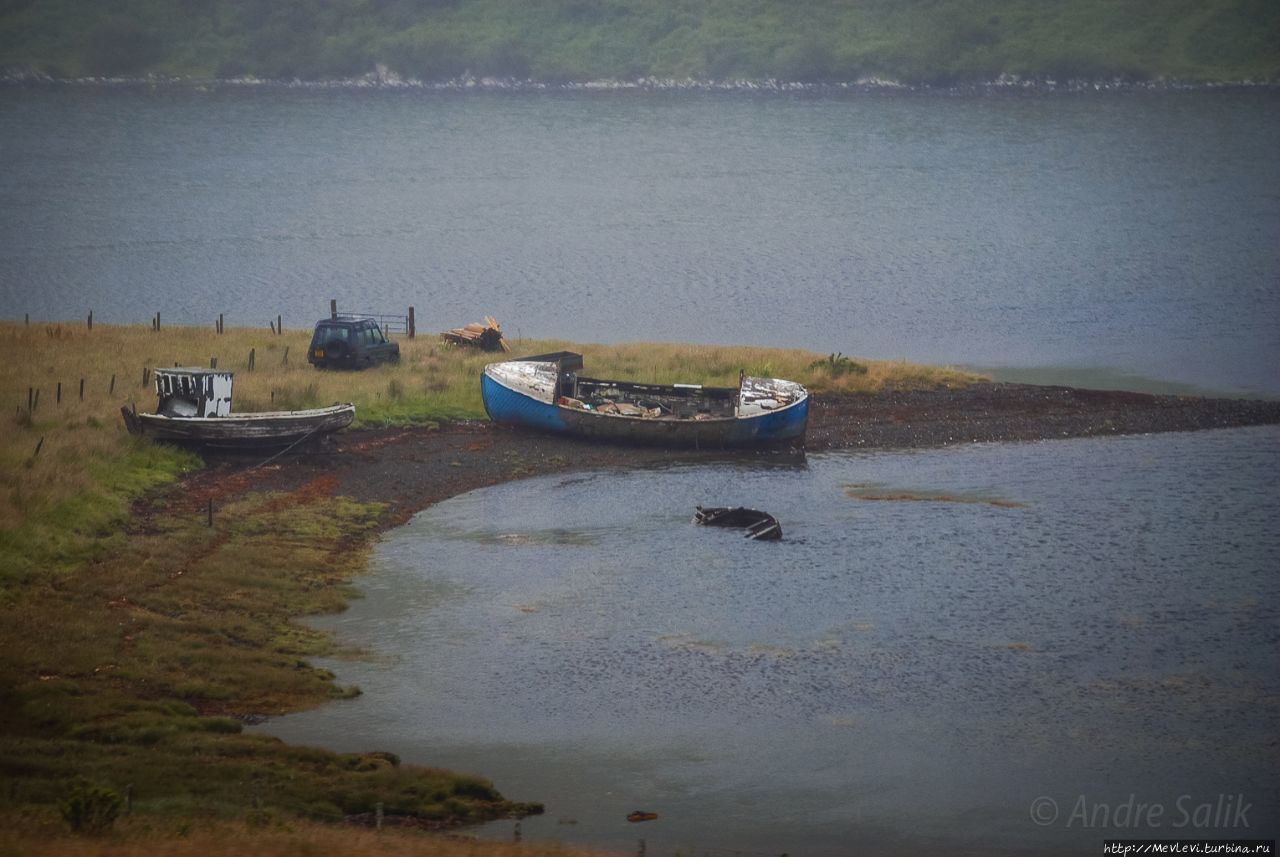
[(257, 416), (493, 373), (736, 418)]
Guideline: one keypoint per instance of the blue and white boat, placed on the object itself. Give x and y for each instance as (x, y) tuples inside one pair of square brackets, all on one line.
[(546, 392)]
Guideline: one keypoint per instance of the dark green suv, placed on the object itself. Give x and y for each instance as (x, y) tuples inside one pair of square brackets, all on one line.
[(350, 342)]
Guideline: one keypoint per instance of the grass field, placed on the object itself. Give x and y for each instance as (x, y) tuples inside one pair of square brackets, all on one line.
[(132, 634), (267, 838), (61, 504)]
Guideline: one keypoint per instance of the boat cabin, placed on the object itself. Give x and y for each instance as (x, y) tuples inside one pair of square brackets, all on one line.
[(193, 392)]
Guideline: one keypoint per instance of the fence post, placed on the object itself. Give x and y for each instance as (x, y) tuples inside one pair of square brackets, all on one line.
[(112, 390), (213, 362), (58, 395), (91, 319), (82, 389), (411, 324), (285, 362), (272, 325), (333, 308), (31, 399), (221, 328), (252, 354), (279, 325)]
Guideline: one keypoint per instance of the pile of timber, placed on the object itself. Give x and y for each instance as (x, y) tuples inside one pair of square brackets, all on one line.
[(487, 336)]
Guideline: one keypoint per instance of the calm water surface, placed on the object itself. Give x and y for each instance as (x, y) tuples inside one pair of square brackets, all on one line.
[(1076, 620), (1107, 235)]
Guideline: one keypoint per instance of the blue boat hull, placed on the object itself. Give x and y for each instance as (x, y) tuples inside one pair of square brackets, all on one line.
[(504, 405), (782, 426)]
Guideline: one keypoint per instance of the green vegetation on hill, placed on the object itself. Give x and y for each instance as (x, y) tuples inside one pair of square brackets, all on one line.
[(933, 41)]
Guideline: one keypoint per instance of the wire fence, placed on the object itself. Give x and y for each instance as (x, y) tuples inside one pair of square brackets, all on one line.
[(389, 322)]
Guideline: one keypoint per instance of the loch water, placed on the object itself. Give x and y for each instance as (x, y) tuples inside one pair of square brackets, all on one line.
[(1127, 238), (974, 649), (989, 648)]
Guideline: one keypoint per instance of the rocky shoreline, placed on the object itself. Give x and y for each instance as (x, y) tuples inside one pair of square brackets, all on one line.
[(408, 469), (990, 412), (384, 79)]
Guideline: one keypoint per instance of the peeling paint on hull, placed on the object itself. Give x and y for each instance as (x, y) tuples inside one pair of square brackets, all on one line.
[(241, 431), (528, 393)]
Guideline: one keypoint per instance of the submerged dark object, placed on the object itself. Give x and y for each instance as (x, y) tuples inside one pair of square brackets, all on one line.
[(760, 526), (641, 815)]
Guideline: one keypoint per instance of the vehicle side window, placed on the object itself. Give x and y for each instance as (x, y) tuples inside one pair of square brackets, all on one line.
[(336, 333), (377, 336)]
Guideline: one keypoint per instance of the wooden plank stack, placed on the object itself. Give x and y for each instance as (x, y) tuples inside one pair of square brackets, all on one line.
[(487, 336)]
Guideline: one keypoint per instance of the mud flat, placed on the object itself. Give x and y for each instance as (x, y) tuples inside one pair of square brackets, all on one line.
[(411, 468)]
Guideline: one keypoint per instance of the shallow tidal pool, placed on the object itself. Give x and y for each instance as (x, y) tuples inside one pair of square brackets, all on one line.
[(985, 648)]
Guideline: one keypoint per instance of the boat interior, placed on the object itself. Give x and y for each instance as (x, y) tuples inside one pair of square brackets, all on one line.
[(557, 375), (679, 401)]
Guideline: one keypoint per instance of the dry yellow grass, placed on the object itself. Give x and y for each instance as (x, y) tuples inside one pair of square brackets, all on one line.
[(86, 461), (223, 839), (657, 362)]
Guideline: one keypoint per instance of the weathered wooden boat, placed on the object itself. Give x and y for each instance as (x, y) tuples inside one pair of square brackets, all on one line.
[(760, 526), (546, 392), (195, 410)]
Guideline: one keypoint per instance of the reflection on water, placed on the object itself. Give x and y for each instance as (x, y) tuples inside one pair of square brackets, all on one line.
[(553, 536), (892, 675), (881, 491)]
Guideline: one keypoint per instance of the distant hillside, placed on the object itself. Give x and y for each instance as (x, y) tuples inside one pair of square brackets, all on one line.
[(914, 41)]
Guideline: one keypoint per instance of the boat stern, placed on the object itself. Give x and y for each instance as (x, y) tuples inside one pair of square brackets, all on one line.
[(522, 392), (772, 410)]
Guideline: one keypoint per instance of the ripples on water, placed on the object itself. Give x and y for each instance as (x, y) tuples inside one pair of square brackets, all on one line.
[(1130, 231), (893, 674)]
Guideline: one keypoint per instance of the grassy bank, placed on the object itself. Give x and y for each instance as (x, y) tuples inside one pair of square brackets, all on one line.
[(136, 639), (19, 836), (559, 40), (62, 504)]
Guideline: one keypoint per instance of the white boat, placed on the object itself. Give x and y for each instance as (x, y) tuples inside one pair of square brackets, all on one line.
[(195, 410)]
